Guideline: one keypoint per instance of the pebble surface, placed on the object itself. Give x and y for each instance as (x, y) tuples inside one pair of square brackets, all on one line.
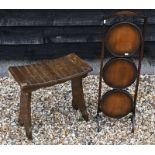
[(55, 122)]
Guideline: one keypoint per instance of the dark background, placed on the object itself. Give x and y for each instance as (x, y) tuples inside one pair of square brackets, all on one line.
[(45, 34)]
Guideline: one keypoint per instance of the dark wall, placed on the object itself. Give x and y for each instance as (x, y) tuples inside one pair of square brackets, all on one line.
[(40, 34)]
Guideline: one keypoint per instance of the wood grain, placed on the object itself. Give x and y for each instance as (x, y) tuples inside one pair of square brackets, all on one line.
[(50, 72), (123, 39), (119, 73), (116, 103)]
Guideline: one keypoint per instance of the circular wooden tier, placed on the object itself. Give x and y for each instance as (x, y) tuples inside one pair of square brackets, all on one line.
[(123, 39), (119, 73), (116, 103)]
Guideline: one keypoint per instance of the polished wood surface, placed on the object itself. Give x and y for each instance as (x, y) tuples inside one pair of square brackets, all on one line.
[(116, 103), (119, 72), (123, 39)]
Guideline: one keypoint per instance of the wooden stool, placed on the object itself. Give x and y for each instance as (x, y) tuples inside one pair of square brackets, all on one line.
[(48, 73)]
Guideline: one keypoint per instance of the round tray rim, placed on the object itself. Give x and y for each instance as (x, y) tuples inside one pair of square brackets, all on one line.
[(113, 91), (121, 23), (115, 59)]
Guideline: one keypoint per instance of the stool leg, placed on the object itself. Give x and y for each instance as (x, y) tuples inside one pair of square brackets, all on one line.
[(78, 97), (25, 113), (20, 119), (74, 95)]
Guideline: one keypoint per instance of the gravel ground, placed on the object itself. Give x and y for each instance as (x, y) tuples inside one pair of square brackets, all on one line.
[(55, 122)]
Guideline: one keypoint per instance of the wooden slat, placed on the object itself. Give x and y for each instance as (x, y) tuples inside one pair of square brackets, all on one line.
[(60, 17), (42, 76), (75, 60), (64, 68), (68, 69), (54, 76), (59, 67), (51, 51), (50, 72), (76, 67), (51, 17), (78, 34), (56, 73), (35, 74), (27, 76), (45, 72), (16, 74)]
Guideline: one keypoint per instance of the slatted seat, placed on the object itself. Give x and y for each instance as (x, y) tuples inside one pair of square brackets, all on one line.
[(48, 73)]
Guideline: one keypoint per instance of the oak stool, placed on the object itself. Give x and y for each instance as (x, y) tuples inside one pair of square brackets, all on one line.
[(48, 73)]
